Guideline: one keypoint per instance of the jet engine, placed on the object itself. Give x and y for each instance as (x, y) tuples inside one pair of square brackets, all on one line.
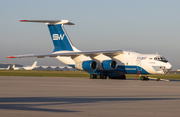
[(109, 65), (86, 65)]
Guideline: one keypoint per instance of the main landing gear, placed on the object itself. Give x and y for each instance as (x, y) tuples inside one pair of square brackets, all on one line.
[(96, 76)]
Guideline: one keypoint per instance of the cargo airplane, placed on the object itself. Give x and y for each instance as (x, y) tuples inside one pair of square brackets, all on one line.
[(100, 63), (25, 67)]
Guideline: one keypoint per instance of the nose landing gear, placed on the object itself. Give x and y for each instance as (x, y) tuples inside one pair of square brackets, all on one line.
[(144, 78)]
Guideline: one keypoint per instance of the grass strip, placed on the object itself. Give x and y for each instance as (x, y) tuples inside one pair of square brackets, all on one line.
[(44, 73)]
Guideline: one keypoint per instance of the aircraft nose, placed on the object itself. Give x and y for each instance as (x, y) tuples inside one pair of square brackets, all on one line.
[(168, 66)]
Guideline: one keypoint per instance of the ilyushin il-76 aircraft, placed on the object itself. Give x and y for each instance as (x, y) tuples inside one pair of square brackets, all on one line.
[(99, 64)]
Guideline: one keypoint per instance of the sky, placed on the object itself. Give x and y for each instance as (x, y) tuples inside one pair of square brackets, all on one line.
[(146, 26)]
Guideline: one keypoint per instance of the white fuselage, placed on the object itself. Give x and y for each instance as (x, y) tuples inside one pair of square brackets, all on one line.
[(23, 68), (129, 62), (26, 67)]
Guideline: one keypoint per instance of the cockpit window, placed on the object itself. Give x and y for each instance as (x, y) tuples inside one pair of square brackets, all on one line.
[(160, 58)]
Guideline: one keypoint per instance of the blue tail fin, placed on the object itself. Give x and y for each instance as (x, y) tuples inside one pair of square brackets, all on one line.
[(60, 38)]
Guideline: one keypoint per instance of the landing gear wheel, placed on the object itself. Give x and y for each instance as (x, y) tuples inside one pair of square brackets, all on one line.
[(91, 76), (123, 77), (103, 77), (158, 79), (95, 76), (145, 78)]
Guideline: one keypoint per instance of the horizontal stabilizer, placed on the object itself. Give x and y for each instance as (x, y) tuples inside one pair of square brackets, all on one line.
[(50, 22)]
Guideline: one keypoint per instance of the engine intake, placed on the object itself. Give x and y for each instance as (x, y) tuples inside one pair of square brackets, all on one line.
[(109, 65)]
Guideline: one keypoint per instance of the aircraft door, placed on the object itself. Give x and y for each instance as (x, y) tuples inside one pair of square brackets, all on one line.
[(139, 68)]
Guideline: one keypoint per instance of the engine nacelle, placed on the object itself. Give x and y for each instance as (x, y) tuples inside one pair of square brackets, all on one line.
[(109, 65), (86, 65)]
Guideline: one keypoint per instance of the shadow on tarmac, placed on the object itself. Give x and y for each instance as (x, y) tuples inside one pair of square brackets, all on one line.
[(28, 103)]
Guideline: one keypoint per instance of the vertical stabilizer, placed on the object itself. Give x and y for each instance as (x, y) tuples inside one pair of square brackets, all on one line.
[(34, 64), (13, 66), (58, 34), (8, 68), (60, 38)]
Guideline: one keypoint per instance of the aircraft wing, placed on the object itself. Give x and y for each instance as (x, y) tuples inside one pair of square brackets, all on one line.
[(109, 53)]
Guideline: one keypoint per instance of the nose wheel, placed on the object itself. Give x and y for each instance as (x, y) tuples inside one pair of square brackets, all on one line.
[(144, 78)]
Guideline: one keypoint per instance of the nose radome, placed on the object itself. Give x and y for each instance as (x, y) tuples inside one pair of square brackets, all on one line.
[(168, 66)]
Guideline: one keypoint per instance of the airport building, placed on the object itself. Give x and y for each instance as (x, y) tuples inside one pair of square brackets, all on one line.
[(56, 68)]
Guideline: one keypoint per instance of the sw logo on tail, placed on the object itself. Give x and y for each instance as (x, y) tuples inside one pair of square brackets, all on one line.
[(99, 64), (57, 37)]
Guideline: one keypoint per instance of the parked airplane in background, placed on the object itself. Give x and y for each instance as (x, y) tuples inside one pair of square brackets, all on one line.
[(111, 63), (8, 68), (26, 67)]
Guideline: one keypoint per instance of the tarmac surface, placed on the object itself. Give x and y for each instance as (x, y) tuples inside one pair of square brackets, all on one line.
[(82, 97)]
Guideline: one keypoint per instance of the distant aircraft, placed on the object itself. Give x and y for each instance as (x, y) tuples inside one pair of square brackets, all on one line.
[(26, 67), (99, 64), (8, 68)]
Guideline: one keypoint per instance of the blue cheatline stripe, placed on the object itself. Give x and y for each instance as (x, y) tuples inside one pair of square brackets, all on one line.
[(131, 69), (59, 38), (119, 70)]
